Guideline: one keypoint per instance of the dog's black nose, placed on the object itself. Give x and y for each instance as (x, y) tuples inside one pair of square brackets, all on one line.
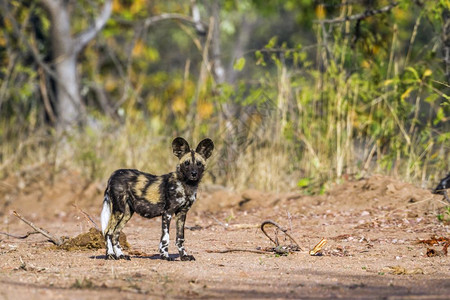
[(194, 174)]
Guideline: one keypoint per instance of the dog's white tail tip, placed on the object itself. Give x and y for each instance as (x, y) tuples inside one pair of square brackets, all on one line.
[(106, 214)]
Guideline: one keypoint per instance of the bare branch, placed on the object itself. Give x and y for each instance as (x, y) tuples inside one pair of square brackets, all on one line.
[(87, 216), (44, 232), (270, 222), (86, 36), (45, 98), (240, 250), (150, 21), (21, 237), (172, 16), (364, 15)]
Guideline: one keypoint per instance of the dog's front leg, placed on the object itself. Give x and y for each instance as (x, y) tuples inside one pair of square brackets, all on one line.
[(181, 219), (164, 243)]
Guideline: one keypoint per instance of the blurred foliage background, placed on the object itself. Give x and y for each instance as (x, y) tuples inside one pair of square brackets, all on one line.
[(296, 94)]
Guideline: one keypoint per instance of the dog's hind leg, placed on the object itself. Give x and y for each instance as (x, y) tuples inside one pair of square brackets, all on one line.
[(109, 235), (126, 216), (109, 221), (113, 220)]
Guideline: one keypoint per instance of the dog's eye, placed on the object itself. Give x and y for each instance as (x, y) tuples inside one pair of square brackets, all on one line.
[(199, 164), (186, 163)]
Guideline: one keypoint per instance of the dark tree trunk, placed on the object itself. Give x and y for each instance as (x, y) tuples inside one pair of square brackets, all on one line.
[(446, 42)]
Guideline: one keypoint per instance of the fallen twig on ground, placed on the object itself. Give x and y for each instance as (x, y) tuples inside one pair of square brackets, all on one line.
[(294, 247), (21, 237), (51, 238), (278, 249), (93, 239), (238, 250)]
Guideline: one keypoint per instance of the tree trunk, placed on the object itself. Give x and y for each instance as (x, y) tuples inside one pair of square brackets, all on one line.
[(218, 69), (69, 107), (446, 42)]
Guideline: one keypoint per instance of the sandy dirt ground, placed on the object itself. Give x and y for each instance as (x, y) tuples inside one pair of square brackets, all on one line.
[(373, 227)]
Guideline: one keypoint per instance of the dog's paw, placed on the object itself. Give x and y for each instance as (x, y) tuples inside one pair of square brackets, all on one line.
[(125, 257), (111, 257), (168, 258), (187, 257)]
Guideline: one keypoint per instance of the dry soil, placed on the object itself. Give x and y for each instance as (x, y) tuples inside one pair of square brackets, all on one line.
[(372, 226)]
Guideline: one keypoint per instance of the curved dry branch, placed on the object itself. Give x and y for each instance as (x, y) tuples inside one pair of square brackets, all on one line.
[(150, 21), (270, 222), (360, 16), (86, 36), (171, 16), (51, 238), (20, 237)]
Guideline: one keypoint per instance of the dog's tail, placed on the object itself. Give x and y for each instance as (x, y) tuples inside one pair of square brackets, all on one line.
[(106, 213)]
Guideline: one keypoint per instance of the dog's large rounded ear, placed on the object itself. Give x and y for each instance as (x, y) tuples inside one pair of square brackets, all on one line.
[(205, 148), (180, 147)]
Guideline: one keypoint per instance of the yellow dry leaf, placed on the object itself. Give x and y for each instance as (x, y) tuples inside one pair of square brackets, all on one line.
[(400, 14), (179, 105), (320, 12), (205, 109), (109, 83), (366, 64), (406, 93), (375, 49), (2, 41), (138, 48), (388, 82), (116, 6), (427, 73), (137, 6)]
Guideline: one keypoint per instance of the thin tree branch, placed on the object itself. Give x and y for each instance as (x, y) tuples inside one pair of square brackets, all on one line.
[(240, 250), (87, 216), (141, 26), (86, 36), (171, 16), (364, 15), (150, 21), (44, 232), (45, 98), (21, 237), (270, 222)]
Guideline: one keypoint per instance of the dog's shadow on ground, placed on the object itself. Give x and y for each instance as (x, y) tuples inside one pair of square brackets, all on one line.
[(154, 256)]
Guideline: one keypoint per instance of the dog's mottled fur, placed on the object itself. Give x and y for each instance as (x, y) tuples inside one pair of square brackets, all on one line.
[(172, 194)]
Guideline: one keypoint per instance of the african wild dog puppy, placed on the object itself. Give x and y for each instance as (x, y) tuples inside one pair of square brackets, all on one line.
[(130, 191)]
